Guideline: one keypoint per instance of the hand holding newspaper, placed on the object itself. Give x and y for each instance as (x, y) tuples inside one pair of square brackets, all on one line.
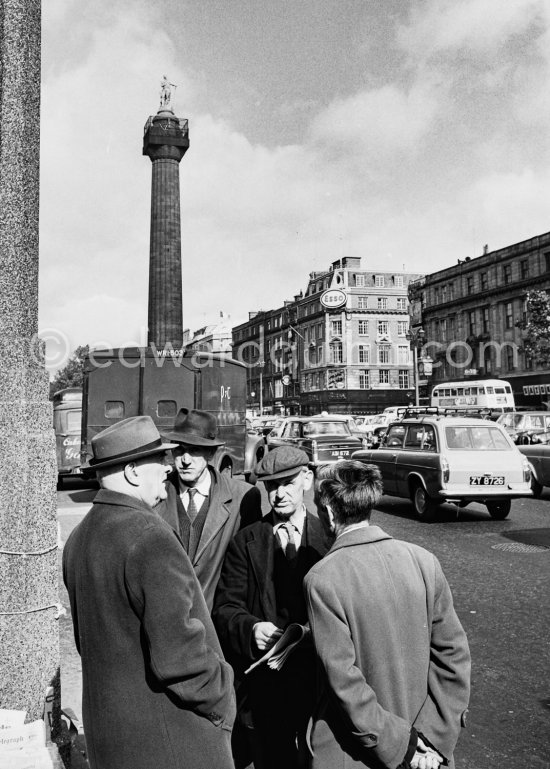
[(279, 652)]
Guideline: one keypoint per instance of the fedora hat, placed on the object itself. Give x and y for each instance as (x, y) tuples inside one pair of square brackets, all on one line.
[(195, 428), (130, 439)]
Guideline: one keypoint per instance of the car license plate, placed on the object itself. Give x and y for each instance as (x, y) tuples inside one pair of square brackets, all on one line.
[(341, 453), (486, 480)]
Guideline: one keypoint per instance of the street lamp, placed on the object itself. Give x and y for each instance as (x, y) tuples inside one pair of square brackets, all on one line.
[(416, 340)]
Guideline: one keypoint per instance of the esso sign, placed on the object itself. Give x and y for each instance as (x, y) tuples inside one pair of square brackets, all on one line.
[(333, 298)]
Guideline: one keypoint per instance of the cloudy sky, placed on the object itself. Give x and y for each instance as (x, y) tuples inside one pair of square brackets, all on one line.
[(407, 132)]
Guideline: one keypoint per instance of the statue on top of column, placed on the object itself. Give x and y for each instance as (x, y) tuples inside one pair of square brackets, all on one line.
[(166, 93)]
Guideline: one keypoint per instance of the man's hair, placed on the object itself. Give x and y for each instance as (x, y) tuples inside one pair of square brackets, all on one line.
[(351, 489)]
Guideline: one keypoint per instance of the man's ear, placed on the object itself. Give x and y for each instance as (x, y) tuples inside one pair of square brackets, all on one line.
[(131, 474), (308, 478)]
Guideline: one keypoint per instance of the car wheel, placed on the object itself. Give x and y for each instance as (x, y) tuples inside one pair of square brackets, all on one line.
[(536, 487), (59, 482), (499, 510), (424, 505)]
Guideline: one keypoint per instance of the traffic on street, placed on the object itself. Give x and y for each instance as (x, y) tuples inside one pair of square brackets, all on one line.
[(499, 572)]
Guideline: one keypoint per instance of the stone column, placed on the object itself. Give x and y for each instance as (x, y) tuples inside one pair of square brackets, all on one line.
[(166, 141), (29, 636)]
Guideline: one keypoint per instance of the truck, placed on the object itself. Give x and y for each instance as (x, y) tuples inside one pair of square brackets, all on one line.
[(67, 417), (136, 381)]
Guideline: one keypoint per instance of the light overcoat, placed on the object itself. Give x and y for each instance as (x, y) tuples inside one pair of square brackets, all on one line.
[(156, 689), (392, 651), (233, 505)]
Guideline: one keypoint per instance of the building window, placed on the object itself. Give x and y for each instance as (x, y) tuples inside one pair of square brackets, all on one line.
[(472, 322), (362, 302), (360, 280), (384, 376), (364, 379), (451, 327), (336, 353), (319, 355), (364, 353), (399, 281), (484, 281), (379, 281), (382, 303), (383, 327), (524, 269), (470, 285), (363, 328), (509, 315), (451, 291), (443, 329), (547, 262), (403, 354), (507, 273), (336, 328), (402, 327), (485, 321), (510, 363), (403, 379), (487, 361), (401, 303), (384, 353), (436, 295)]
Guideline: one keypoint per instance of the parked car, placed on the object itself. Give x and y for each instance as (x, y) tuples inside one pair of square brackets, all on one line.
[(255, 448), (265, 424), (275, 433), (522, 425), (434, 458), (538, 455), (325, 439)]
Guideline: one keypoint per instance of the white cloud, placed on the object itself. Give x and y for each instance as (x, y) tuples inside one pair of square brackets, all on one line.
[(480, 26)]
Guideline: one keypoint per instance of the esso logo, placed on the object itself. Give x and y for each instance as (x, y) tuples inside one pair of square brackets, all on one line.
[(333, 298)]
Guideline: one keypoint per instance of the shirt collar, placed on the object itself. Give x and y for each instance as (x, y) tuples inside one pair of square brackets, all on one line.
[(202, 486), (298, 520), (353, 527)]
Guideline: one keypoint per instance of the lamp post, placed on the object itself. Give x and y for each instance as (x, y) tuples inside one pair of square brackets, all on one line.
[(261, 363), (415, 338)]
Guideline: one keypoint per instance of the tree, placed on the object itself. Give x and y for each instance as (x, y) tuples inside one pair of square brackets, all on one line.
[(70, 375), (536, 343)]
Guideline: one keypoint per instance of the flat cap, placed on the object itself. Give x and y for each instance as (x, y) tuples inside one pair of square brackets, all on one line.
[(281, 462)]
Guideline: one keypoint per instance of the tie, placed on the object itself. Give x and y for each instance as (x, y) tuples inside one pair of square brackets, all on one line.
[(191, 507), (290, 549)]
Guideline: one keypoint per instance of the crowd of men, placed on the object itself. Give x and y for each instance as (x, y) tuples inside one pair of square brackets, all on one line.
[(179, 585)]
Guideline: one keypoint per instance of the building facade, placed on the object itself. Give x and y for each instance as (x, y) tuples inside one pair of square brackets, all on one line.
[(469, 314), (341, 346)]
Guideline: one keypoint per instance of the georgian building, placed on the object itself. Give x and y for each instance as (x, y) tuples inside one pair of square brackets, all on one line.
[(469, 314), (341, 346)]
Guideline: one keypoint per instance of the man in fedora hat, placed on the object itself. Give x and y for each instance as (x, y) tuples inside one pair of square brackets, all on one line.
[(156, 689), (203, 506), (259, 593)]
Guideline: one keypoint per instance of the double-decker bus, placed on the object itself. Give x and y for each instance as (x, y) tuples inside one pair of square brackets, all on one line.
[(493, 394)]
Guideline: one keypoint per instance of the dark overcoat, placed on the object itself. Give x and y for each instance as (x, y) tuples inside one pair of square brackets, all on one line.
[(233, 505), (156, 689), (278, 703), (392, 651)]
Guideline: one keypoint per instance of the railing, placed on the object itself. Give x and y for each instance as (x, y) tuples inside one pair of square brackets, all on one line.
[(174, 124)]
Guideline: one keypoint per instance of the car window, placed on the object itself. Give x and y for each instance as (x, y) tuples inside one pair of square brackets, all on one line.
[(476, 438), (428, 442), (292, 430), (326, 428), (414, 437), (395, 436)]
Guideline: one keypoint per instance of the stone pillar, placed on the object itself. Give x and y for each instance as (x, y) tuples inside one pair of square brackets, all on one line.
[(166, 141), (29, 636)]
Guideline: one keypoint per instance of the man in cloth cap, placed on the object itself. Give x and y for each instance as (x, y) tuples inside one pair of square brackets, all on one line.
[(203, 506), (259, 594), (156, 689)]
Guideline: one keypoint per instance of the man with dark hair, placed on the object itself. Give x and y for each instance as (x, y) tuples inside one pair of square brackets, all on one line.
[(203, 506), (259, 594), (393, 655)]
